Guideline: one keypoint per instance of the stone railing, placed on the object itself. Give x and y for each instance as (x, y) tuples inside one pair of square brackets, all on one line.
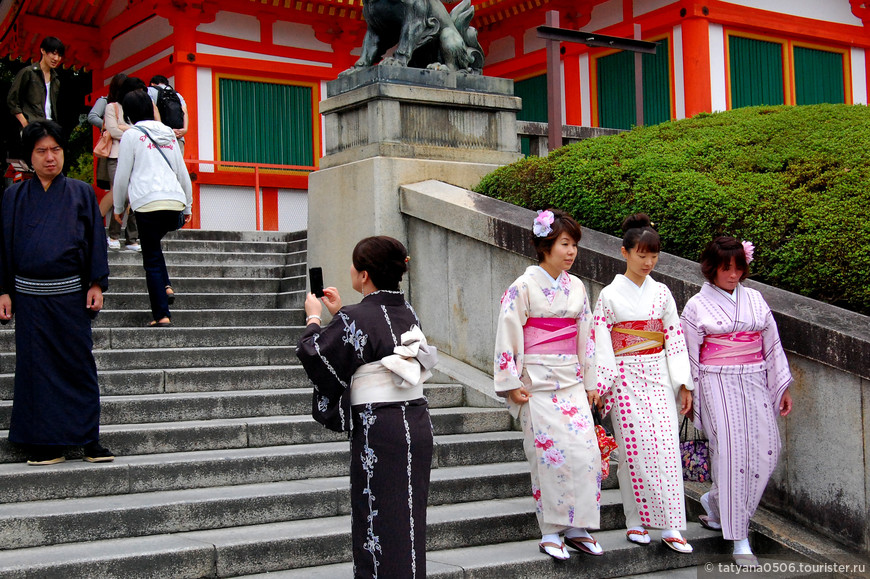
[(538, 140), (468, 248)]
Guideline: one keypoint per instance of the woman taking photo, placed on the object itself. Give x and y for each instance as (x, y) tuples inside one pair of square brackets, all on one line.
[(742, 377), (642, 368), (152, 174), (375, 356), (543, 356)]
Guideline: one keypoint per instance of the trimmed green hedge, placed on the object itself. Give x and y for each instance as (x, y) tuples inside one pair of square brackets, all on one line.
[(793, 180)]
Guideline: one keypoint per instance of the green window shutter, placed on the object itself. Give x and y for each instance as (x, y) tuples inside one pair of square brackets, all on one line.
[(657, 85), (533, 91), (616, 103), (756, 72), (818, 76), (265, 123)]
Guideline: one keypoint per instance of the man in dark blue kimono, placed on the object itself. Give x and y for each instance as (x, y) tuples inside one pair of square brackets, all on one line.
[(53, 271)]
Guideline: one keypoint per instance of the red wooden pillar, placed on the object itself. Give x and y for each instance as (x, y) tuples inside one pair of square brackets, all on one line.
[(696, 66), (573, 108), (184, 69)]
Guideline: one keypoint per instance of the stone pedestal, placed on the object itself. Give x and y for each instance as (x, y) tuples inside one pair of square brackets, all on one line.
[(390, 126)]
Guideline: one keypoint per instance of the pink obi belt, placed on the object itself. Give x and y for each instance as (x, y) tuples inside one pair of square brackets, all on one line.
[(550, 336), (732, 349), (638, 337)]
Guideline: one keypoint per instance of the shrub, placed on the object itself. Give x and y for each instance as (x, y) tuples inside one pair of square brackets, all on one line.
[(794, 180)]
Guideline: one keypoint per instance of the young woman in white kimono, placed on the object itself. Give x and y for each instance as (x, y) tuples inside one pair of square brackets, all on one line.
[(742, 377), (642, 369), (543, 355)]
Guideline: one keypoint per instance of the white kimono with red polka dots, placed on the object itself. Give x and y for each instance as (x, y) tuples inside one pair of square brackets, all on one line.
[(641, 393), (559, 435)]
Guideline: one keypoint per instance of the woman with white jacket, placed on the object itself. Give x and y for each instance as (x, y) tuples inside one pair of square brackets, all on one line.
[(152, 175)]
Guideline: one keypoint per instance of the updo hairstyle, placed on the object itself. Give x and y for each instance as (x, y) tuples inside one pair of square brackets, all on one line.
[(384, 258), (719, 252), (638, 234), (562, 223)]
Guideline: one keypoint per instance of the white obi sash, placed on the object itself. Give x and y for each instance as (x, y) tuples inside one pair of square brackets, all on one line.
[(398, 377)]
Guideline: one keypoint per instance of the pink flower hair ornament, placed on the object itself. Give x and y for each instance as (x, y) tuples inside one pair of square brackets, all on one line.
[(749, 251), (542, 223)]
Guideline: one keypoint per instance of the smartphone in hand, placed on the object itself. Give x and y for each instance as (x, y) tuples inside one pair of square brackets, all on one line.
[(315, 281)]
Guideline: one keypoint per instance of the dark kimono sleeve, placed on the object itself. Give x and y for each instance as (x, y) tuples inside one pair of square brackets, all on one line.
[(96, 239), (7, 206), (327, 359)]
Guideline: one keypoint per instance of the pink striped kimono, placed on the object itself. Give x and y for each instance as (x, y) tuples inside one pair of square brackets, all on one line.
[(736, 404)]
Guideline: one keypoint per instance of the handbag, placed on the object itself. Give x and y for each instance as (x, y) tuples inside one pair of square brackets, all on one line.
[(695, 454), (606, 443), (104, 145)]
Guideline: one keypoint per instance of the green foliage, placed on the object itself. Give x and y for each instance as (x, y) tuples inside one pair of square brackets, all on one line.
[(80, 161), (794, 180)]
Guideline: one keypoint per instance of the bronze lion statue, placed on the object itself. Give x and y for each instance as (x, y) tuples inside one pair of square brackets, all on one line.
[(424, 33)]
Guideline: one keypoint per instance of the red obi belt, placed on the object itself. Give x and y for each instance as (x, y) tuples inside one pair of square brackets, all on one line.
[(638, 337), (732, 349), (550, 336)]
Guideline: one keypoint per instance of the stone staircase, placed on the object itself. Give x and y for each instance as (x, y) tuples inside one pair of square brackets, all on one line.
[(221, 472)]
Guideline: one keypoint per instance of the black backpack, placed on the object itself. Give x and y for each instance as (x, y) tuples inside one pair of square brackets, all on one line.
[(169, 106)]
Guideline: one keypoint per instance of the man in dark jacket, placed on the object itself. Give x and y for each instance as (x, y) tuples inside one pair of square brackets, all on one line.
[(27, 98)]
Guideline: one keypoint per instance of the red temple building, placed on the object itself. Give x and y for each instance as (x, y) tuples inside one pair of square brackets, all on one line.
[(253, 71)]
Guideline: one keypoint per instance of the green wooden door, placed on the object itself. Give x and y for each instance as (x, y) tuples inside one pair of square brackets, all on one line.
[(533, 91), (756, 72), (616, 99), (265, 123), (818, 76)]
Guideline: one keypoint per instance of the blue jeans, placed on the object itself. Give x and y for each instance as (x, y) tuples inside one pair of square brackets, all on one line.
[(153, 225)]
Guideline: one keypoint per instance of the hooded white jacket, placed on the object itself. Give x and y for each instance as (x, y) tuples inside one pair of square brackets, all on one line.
[(144, 176)]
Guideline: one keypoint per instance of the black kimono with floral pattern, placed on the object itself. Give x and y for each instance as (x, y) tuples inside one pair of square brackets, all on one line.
[(391, 442)]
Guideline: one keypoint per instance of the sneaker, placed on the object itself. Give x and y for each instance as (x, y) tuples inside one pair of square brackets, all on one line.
[(114, 243), (133, 247), (94, 452)]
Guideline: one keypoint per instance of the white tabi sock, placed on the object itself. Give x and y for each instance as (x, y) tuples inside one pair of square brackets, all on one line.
[(575, 532), (552, 538), (741, 547)]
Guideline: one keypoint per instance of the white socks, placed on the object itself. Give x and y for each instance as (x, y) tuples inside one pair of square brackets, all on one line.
[(552, 538), (575, 532), (671, 534), (741, 547)]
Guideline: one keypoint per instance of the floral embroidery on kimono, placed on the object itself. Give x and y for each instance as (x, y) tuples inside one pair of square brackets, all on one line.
[(559, 440)]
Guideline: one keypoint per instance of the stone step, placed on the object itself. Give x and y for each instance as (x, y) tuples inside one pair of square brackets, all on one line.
[(213, 468), (197, 285), (220, 235), (263, 431), (193, 301), (523, 559), (42, 523), (208, 405), (130, 382), (47, 522), (212, 270), (201, 258), (180, 337), (124, 359), (137, 318), (219, 247)]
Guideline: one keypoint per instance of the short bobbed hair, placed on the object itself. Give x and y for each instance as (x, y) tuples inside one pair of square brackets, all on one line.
[(638, 234), (138, 106), (36, 130), (52, 44), (384, 258), (562, 223), (719, 252)]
